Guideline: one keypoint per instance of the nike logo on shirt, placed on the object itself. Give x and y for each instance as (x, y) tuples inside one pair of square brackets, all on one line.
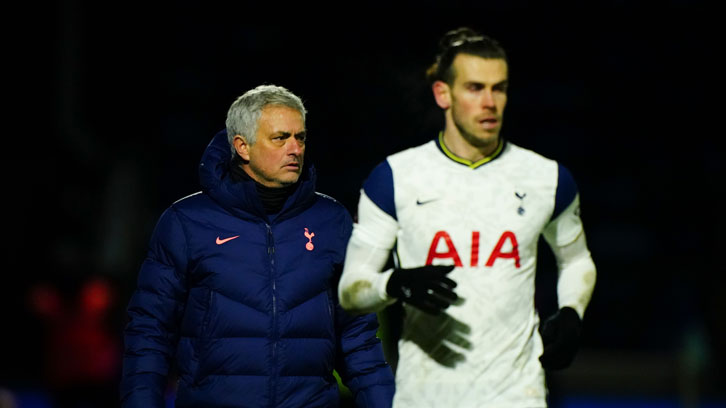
[(419, 202), (222, 241)]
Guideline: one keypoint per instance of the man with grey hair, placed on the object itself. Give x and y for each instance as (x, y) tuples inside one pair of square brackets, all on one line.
[(238, 288)]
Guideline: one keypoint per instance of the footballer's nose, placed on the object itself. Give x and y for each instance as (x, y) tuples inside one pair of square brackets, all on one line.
[(487, 99)]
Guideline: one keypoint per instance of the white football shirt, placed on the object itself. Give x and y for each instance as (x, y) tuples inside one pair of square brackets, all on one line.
[(486, 218)]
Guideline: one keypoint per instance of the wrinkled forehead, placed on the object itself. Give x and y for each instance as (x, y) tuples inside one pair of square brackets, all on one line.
[(281, 118), (278, 109)]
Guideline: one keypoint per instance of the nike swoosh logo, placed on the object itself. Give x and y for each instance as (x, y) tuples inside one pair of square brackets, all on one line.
[(222, 241), (419, 202)]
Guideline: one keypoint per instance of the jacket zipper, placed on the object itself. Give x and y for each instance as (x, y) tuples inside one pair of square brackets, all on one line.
[(274, 334)]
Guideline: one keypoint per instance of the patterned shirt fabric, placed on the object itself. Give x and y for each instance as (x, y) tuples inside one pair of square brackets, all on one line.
[(431, 207)]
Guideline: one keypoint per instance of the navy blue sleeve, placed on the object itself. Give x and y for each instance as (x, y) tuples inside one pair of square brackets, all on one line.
[(361, 363), (151, 335), (379, 188), (566, 190)]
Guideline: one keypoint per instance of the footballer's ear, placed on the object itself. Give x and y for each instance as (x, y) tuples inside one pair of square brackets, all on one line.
[(442, 94), (242, 147)]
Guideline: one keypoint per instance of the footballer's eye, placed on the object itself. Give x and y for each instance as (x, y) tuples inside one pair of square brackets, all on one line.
[(474, 86), (501, 87)]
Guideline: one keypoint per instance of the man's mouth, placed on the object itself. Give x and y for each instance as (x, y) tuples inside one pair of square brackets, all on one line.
[(489, 123)]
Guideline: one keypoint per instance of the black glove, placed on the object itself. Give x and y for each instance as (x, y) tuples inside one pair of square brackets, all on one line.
[(561, 338), (425, 287)]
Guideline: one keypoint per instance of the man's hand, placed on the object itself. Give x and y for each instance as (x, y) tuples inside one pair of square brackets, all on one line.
[(425, 287), (561, 339)]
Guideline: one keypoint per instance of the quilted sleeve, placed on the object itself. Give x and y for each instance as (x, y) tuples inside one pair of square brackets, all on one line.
[(361, 363), (154, 312)]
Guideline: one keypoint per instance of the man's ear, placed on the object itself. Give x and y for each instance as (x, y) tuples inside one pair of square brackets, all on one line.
[(242, 147), (442, 94)]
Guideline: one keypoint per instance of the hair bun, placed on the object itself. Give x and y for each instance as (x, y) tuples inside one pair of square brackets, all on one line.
[(457, 37)]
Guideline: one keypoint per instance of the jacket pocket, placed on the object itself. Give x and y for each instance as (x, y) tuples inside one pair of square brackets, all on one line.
[(202, 343), (204, 331), (331, 303)]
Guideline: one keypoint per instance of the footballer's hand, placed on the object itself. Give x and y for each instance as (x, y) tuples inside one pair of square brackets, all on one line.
[(561, 338), (425, 287)]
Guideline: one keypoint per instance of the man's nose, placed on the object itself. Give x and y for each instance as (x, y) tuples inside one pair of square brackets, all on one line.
[(487, 99), (295, 146)]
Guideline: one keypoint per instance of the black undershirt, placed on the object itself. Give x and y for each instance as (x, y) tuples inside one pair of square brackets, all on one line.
[(273, 198)]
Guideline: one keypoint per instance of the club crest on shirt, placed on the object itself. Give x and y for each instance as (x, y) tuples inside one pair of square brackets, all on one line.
[(309, 235), (520, 196)]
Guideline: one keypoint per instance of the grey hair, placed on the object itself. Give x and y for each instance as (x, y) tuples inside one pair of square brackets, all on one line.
[(245, 112)]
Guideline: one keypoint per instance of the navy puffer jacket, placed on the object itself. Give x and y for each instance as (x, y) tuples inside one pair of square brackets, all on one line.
[(245, 305)]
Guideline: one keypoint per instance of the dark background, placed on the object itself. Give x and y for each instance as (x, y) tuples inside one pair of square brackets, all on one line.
[(114, 105)]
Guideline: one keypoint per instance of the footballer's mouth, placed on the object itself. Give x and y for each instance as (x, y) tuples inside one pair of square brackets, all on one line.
[(489, 122)]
